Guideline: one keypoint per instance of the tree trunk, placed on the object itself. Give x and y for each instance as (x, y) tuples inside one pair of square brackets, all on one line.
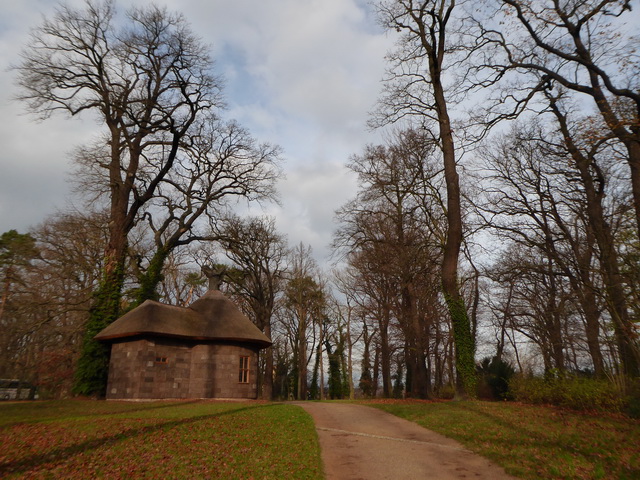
[(433, 43), (554, 321), (439, 359), (376, 372), (352, 392), (592, 330), (321, 386), (385, 359), (464, 342), (418, 367), (267, 378), (584, 289), (5, 290), (302, 358), (633, 147), (93, 365), (631, 140), (151, 278)]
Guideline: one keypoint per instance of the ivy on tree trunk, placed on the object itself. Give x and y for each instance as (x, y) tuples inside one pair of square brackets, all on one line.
[(93, 365), (464, 347)]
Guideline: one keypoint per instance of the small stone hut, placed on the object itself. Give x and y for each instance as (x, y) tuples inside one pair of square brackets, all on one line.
[(207, 350)]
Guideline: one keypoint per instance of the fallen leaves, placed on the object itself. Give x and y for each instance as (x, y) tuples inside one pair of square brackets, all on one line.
[(77, 439)]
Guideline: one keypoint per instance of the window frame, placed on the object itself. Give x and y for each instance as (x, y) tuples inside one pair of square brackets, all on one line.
[(244, 368)]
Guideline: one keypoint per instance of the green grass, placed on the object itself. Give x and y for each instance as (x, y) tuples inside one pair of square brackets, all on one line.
[(535, 442), (91, 439), (200, 439)]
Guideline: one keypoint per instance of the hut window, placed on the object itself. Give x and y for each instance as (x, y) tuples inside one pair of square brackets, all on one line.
[(244, 370), (163, 360)]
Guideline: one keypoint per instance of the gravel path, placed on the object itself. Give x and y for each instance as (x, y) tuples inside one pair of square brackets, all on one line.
[(360, 442)]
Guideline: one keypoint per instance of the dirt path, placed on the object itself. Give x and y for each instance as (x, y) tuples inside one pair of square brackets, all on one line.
[(360, 442)]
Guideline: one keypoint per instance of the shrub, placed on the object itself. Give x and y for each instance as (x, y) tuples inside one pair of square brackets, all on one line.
[(494, 375), (632, 407), (446, 392), (578, 393)]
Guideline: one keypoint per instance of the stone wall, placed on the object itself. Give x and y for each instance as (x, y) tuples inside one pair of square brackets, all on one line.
[(166, 368), (215, 371)]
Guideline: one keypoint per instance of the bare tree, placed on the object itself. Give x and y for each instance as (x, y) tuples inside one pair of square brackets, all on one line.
[(216, 164), (432, 38), (181, 283), (17, 252), (305, 301), (147, 83), (375, 290), (44, 323), (594, 181), (394, 233), (259, 252), (547, 193), (585, 47), (349, 310)]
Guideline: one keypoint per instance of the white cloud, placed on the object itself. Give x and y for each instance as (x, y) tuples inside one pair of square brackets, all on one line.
[(299, 73), (311, 194)]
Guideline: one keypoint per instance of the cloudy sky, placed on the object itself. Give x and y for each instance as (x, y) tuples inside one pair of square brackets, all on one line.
[(299, 73)]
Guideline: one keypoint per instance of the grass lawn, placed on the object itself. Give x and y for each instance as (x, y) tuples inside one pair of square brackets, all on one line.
[(198, 439), (534, 442)]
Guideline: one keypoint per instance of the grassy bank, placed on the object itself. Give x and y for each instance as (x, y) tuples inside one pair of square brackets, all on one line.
[(535, 442), (89, 439)]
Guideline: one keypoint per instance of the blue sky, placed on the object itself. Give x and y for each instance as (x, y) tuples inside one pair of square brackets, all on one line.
[(299, 73)]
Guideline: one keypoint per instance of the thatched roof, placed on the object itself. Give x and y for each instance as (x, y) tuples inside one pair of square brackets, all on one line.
[(211, 317)]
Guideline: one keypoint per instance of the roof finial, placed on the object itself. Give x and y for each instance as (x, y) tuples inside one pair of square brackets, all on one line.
[(214, 274)]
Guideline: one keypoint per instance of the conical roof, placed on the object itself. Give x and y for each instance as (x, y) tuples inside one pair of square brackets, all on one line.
[(211, 317)]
